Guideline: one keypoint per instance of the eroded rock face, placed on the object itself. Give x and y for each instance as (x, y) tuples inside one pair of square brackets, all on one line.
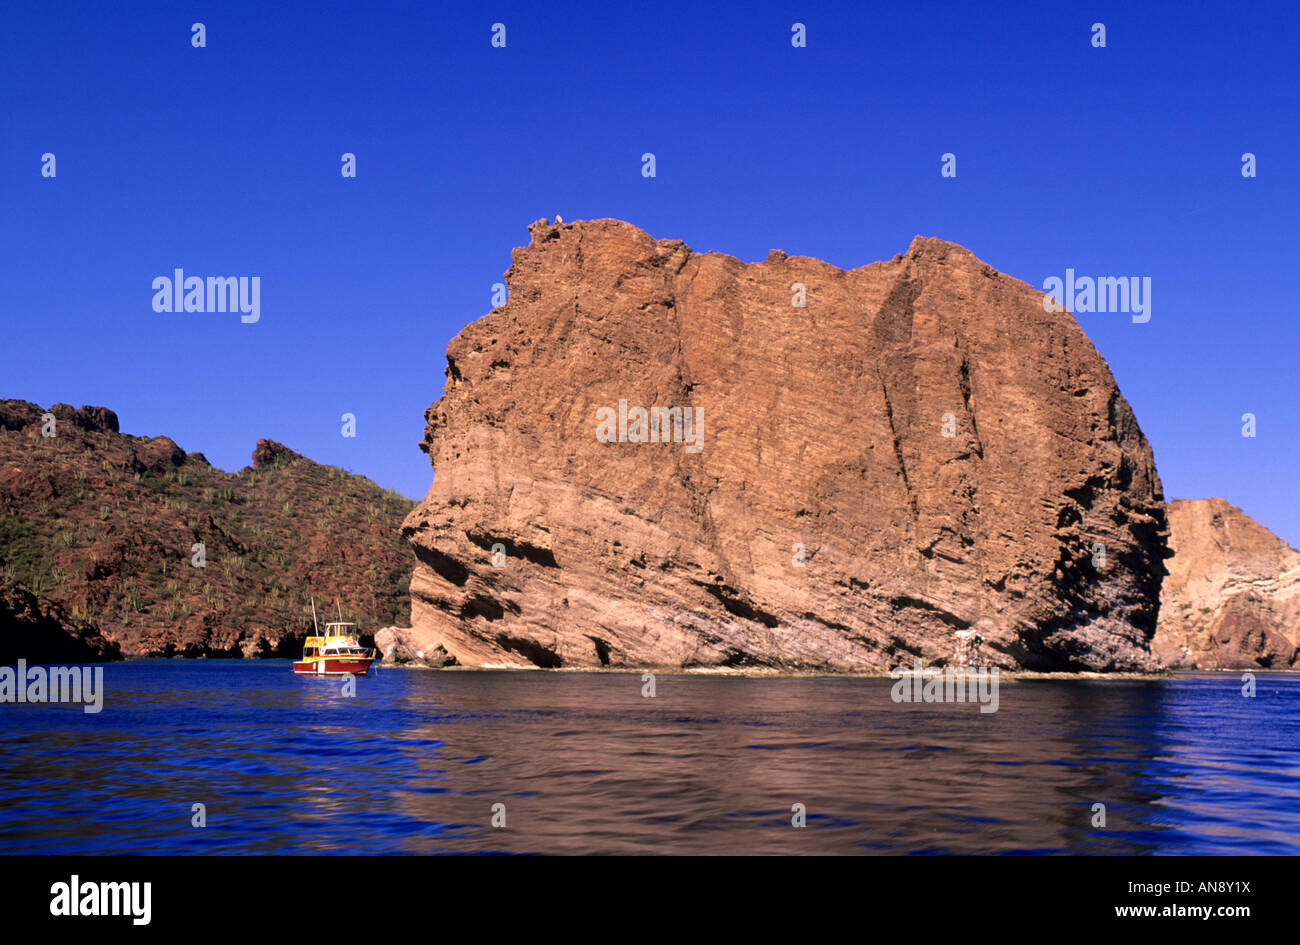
[(1232, 597), (918, 461)]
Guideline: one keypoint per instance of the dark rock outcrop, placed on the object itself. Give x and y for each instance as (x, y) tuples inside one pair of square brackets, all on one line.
[(41, 631), (19, 415), (271, 453)]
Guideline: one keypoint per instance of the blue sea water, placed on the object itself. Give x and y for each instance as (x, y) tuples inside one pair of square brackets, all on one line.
[(584, 763)]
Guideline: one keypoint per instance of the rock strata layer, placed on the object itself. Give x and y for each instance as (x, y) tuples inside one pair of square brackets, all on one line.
[(912, 459)]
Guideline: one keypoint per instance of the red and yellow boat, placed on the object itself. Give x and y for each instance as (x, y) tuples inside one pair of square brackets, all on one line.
[(337, 652)]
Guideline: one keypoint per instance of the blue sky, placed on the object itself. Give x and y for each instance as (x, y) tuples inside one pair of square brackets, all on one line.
[(225, 161)]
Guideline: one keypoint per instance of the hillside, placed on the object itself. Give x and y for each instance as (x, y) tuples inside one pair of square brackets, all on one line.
[(103, 525)]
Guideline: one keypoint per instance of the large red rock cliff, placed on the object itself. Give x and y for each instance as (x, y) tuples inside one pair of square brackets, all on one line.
[(918, 461)]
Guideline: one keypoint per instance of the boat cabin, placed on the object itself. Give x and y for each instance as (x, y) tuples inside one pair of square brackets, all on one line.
[(340, 639)]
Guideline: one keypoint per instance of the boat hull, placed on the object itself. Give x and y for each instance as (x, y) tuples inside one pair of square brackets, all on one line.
[(333, 666)]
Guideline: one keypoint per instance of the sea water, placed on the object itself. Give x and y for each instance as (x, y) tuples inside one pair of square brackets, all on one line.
[(245, 757)]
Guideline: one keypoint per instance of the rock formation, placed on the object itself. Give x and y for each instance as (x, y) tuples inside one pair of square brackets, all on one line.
[(1232, 597), (40, 631), (269, 453), (908, 459), (101, 527)]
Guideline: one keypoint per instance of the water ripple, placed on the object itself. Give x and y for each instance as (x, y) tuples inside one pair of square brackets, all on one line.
[(417, 762)]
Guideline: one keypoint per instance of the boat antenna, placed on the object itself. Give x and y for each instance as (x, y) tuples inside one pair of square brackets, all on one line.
[(313, 616), (340, 607)]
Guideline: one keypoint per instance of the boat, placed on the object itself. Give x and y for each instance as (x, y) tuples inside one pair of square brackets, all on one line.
[(336, 652)]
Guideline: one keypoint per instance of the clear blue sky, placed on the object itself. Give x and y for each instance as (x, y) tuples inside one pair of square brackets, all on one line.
[(225, 161)]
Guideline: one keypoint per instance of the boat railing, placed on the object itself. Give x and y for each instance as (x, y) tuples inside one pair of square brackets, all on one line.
[(320, 643)]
